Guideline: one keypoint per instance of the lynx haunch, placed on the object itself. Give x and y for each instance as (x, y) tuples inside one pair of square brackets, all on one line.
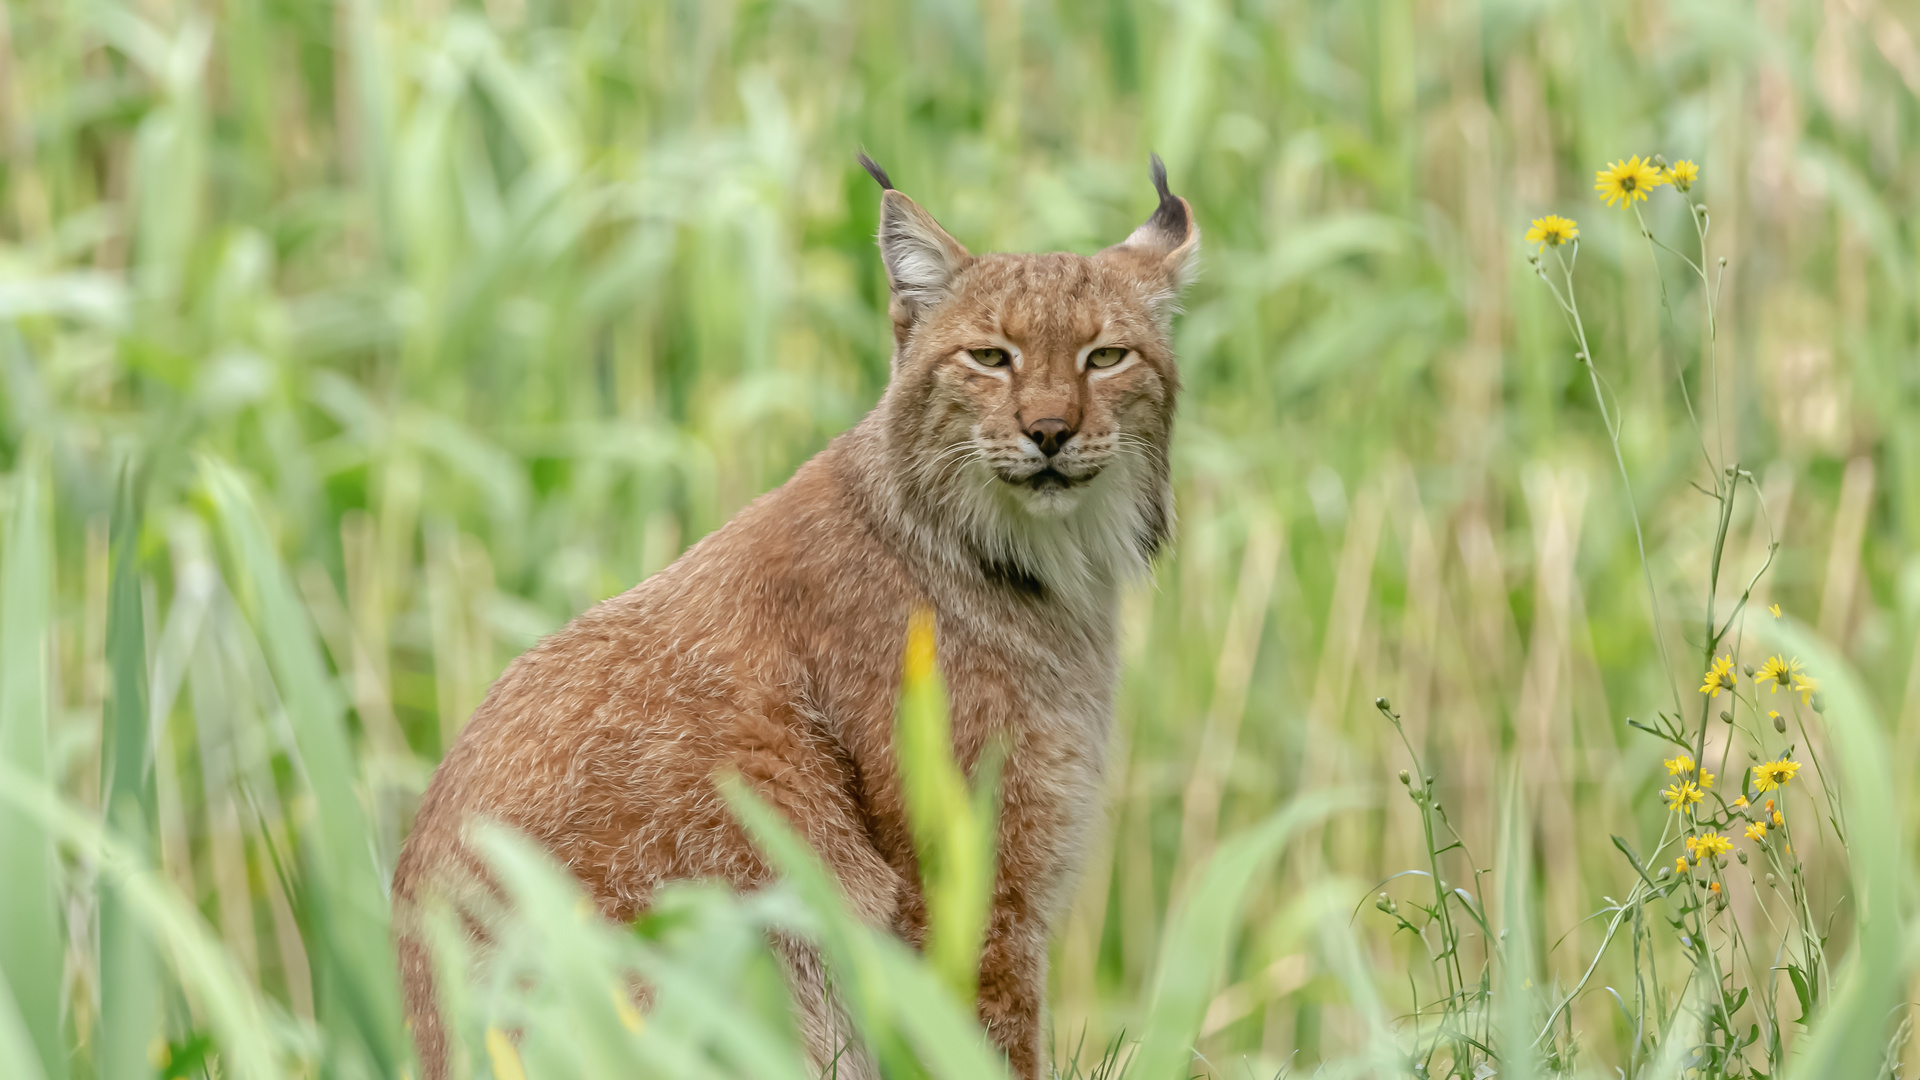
[(1013, 475)]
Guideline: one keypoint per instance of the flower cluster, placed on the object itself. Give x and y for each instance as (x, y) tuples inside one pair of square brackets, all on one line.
[(1621, 183), (1779, 672), (1705, 822)]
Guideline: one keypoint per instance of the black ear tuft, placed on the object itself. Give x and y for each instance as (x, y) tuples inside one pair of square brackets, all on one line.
[(1171, 215), (880, 175)]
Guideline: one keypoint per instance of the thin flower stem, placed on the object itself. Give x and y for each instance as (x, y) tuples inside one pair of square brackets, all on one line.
[(1571, 306), (1679, 373)]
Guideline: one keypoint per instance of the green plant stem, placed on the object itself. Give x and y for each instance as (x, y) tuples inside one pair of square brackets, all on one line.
[(1570, 307)]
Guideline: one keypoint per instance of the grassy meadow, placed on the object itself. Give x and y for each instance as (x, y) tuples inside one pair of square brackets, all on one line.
[(348, 348)]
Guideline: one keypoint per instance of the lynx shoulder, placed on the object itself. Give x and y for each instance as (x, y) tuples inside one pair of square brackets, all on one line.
[(1012, 476)]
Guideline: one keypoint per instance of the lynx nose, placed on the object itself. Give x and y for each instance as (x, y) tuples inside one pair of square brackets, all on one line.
[(1049, 434)]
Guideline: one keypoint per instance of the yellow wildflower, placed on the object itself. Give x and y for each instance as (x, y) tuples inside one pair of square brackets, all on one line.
[(1708, 844), (1775, 608), (1774, 774), (1624, 182), (1682, 174), (1778, 820), (1552, 231), (1680, 864), (1757, 831), (1706, 779), (1808, 687), (1681, 797), (1715, 887), (1678, 765), (1718, 677), (1779, 671), (1741, 801)]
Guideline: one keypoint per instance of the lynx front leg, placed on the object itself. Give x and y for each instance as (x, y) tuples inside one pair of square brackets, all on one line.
[(1013, 986)]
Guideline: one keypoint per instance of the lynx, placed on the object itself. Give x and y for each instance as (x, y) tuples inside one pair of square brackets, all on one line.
[(1013, 476)]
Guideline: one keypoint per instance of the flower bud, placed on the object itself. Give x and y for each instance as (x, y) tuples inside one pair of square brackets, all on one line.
[(1748, 669), (1386, 904), (1780, 723), (1770, 881), (1820, 703), (1726, 717), (1406, 778), (1665, 873), (1743, 858), (1383, 704)]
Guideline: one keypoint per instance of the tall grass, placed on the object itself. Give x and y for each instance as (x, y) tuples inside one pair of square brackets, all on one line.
[(412, 329)]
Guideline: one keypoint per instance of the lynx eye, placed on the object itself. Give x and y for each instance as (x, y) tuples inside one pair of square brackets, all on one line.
[(1107, 357), (989, 357)]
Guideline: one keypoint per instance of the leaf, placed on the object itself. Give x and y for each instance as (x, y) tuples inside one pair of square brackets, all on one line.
[(1194, 951), (893, 996), (1801, 990), (129, 970), (1633, 858), (1848, 1036), (348, 897), (238, 1017), (954, 831), (32, 946)]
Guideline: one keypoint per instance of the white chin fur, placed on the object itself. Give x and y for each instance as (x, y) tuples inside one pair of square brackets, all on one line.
[(1081, 540), (1048, 502)]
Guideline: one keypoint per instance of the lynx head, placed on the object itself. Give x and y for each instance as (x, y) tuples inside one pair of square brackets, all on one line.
[(1032, 396)]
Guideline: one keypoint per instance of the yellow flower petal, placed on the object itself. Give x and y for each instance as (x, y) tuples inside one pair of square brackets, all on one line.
[(1625, 182), (1552, 231), (503, 1056)]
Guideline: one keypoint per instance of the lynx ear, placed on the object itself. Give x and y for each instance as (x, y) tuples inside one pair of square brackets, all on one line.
[(921, 259), (1169, 240)]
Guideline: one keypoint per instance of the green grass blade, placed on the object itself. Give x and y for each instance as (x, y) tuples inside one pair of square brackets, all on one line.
[(19, 1057), (31, 943), (1849, 1034), (241, 1023), (351, 909), (1193, 955), (953, 830), (892, 994), (129, 970), (1514, 1014)]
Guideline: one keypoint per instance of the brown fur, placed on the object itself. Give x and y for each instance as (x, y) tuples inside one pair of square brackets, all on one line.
[(772, 648)]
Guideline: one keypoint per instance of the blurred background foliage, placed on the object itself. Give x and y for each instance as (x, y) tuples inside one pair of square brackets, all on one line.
[(494, 309)]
